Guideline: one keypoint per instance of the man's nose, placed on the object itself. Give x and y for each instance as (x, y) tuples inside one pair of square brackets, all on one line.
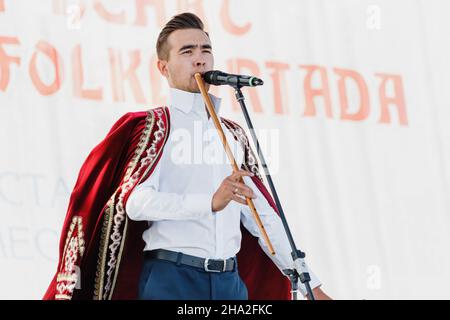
[(199, 60)]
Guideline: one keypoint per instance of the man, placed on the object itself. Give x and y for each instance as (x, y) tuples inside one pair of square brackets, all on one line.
[(141, 182)]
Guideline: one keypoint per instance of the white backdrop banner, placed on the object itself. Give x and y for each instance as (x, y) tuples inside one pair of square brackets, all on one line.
[(354, 120)]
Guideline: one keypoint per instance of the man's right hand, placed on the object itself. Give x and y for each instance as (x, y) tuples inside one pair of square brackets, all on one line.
[(232, 189)]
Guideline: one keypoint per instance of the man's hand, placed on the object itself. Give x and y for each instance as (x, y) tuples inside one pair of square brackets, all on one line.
[(319, 294), (232, 189)]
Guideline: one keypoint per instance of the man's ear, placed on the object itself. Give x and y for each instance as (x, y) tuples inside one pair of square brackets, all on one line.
[(162, 67)]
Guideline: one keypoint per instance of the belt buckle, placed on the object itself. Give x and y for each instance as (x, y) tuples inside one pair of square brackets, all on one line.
[(210, 270)]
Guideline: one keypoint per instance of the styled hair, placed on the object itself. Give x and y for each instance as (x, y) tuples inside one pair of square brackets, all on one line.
[(181, 21)]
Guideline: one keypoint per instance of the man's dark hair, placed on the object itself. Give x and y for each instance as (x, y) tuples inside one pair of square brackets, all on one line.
[(181, 21)]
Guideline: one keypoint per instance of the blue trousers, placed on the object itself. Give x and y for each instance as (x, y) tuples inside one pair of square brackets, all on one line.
[(165, 280)]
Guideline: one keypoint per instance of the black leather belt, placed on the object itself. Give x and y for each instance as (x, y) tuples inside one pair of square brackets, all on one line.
[(209, 265)]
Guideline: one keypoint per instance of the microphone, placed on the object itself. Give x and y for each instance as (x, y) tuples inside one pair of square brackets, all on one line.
[(219, 78)]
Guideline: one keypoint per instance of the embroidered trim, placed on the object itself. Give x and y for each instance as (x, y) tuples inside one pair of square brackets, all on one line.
[(120, 215), (74, 247), (250, 163), (115, 214), (109, 211), (144, 176), (103, 248), (143, 141), (119, 258)]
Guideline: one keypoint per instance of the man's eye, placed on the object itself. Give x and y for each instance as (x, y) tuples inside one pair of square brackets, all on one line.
[(207, 51), (188, 51)]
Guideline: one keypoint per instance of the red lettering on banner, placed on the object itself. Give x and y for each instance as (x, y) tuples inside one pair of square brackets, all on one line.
[(194, 6), (6, 60), (119, 76), (78, 78), (51, 53), (249, 67), (60, 7), (279, 85), (315, 84), (398, 99), (141, 14), (117, 18), (364, 106), (228, 23), (310, 93)]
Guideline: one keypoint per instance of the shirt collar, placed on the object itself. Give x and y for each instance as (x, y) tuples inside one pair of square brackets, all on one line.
[(191, 102)]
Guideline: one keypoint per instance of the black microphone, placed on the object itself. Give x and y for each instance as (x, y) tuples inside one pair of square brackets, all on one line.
[(219, 78)]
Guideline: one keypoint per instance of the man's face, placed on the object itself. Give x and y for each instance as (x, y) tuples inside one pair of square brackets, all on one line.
[(189, 52)]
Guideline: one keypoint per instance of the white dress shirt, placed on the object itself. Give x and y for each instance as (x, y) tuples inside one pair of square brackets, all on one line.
[(176, 198)]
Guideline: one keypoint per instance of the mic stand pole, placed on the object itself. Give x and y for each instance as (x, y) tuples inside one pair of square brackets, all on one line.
[(300, 271)]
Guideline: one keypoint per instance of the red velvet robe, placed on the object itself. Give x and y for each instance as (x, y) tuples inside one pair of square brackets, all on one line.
[(100, 253)]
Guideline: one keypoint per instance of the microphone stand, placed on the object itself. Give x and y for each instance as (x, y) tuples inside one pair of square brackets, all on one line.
[(300, 270)]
